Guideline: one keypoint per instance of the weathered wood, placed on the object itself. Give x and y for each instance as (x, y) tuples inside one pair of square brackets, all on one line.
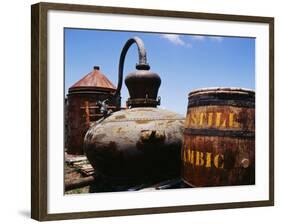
[(69, 159), (83, 182), (96, 107), (86, 169), (219, 138)]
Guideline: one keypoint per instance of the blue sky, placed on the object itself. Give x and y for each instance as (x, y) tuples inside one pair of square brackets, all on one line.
[(184, 62)]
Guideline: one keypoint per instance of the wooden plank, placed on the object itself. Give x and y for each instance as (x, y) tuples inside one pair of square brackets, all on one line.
[(83, 182)]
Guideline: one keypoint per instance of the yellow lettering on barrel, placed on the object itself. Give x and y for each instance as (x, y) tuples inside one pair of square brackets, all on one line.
[(210, 119), (202, 115), (185, 148), (199, 158), (184, 155), (223, 125), (232, 122), (205, 159), (208, 159), (187, 121), (190, 156), (236, 124), (216, 161), (218, 119), (193, 119), (206, 119)]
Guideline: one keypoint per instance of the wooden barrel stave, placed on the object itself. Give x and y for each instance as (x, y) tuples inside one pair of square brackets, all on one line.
[(219, 140)]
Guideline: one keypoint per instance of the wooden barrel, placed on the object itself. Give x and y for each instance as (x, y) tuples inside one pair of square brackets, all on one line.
[(219, 138)]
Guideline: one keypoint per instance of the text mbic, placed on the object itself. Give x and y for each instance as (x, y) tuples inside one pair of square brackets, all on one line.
[(204, 159)]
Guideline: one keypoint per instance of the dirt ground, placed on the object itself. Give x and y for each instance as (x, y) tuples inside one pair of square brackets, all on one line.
[(71, 173)]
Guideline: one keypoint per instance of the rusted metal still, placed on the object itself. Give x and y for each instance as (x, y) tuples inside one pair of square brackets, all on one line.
[(140, 144), (219, 138)]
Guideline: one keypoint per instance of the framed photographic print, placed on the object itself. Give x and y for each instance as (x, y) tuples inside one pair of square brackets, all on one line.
[(138, 111)]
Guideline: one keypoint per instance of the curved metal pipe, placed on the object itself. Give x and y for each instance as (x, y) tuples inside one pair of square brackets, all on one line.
[(142, 60)]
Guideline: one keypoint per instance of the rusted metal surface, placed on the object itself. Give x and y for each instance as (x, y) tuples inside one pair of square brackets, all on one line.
[(143, 87), (141, 144), (136, 145), (140, 66), (82, 107), (142, 84), (219, 138), (93, 80)]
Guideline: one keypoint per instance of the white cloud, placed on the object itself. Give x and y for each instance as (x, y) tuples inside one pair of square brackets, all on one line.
[(219, 39), (176, 39), (188, 45), (201, 38), (198, 37)]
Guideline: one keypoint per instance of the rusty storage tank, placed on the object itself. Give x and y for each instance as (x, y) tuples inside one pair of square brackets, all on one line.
[(141, 144), (82, 107), (219, 138)]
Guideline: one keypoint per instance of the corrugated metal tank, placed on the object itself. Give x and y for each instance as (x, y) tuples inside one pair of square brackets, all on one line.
[(81, 107)]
